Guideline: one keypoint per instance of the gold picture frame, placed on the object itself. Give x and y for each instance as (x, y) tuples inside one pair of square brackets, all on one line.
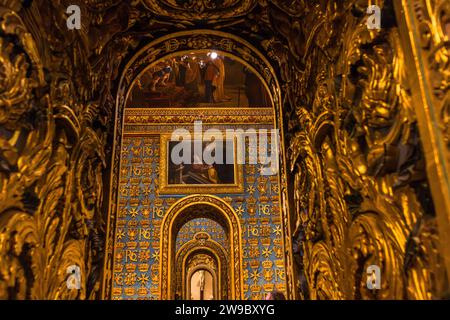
[(220, 188)]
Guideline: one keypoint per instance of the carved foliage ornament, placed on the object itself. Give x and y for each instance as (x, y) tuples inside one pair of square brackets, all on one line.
[(50, 175), (199, 9), (360, 189), (361, 195), (433, 18)]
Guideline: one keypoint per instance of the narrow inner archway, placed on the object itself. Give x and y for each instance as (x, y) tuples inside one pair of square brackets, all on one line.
[(174, 263)]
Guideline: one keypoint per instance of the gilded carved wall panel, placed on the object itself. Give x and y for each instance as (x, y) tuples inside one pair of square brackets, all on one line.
[(361, 192), (364, 117), (51, 226), (200, 9), (428, 44)]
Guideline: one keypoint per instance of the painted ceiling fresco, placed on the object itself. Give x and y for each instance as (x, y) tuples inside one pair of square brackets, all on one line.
[(198, 80)]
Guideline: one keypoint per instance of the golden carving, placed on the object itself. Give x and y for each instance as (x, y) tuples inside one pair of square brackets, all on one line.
[(360, 187), (359, 122), (50, 181), (228, 45), (428, 25), (199, 9)]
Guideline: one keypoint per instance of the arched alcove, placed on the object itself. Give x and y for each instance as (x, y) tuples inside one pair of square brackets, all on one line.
[(188, 208), (206, 279), (172, 45), (203, 244)]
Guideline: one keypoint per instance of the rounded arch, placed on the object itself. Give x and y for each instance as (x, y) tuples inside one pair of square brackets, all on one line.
[(183, 42), (176, 43), (189, 208), (219, 51), (208, 245)]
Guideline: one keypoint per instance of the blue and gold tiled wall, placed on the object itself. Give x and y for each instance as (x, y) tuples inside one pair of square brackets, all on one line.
[(141, 210)]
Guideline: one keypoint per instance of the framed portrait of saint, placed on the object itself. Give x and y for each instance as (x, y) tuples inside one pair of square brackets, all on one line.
[(197, 166)]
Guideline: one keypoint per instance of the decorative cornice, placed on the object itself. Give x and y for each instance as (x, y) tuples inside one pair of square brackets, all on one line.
[(147, 116)]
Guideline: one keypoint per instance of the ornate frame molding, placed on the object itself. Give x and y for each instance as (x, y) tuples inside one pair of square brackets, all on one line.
[(215, 249), (200, 9), (427, 50), (157, 116), (166, 188)]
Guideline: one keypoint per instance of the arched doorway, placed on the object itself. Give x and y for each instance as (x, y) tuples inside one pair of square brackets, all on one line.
[(170, 46), (202, 284), (202, 252), (183, 211)]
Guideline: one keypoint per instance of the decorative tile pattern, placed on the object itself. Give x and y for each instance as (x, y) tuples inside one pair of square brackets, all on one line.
[(214, 229), (141, 209)]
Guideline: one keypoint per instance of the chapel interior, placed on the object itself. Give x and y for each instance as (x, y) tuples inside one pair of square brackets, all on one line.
[(225, 150)]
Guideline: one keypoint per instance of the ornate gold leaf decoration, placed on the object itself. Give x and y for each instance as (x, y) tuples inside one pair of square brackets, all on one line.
[(51, 163), (354, 128), (199, 9), (360, 188)]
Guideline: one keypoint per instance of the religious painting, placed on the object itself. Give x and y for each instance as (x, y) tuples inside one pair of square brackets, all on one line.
[(199, 166), (205, 79), (197, 170)]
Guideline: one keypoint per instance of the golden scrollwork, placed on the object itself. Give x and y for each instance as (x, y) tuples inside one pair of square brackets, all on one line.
[(365, 129), (147, 116), (50, 178), (199, 9), (360, 188)]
